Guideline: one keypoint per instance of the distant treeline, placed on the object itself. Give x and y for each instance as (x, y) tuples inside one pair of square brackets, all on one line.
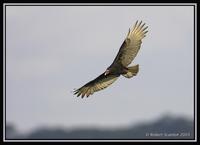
[(164, 128)]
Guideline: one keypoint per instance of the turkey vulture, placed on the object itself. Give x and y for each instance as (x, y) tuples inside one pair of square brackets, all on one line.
[(125, 56)]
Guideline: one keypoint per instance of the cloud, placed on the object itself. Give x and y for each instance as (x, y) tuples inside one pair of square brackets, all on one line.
[(33, 68)]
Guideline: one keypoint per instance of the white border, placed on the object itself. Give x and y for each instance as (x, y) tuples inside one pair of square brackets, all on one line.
[(120, 4), (4, 73), (195, 52)]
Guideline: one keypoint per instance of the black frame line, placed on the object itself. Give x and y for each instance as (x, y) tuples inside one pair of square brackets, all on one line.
[(78, 140)]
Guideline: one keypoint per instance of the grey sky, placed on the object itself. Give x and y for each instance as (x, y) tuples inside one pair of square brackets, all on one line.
[(52, 50)]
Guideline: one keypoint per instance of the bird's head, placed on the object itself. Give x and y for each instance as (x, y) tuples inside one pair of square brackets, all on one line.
[(107, 72)]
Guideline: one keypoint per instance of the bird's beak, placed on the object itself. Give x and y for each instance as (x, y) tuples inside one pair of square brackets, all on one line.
[(106, 72)]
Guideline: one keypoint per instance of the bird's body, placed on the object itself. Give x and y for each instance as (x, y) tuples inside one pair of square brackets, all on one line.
[(116, 69), (120, 65)]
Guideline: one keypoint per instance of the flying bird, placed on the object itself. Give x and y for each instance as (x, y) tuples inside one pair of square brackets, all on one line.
[(120, 66)]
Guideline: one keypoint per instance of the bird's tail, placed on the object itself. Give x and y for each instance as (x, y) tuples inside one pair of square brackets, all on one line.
[(132, 71)]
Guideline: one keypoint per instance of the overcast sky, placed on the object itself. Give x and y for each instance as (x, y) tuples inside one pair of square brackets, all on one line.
[(50, 50)]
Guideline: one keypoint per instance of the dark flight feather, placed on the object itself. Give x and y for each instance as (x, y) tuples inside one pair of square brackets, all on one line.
[(101, 82)]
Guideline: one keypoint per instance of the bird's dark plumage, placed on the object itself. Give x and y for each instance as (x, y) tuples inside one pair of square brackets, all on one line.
[(125, 56), (101, 82)]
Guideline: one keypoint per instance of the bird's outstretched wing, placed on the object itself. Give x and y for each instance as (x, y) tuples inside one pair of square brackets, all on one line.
[(101, 82), (131, 44)]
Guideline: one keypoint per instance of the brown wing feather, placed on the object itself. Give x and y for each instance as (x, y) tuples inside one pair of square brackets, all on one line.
[(101, 82), (131, 44)]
